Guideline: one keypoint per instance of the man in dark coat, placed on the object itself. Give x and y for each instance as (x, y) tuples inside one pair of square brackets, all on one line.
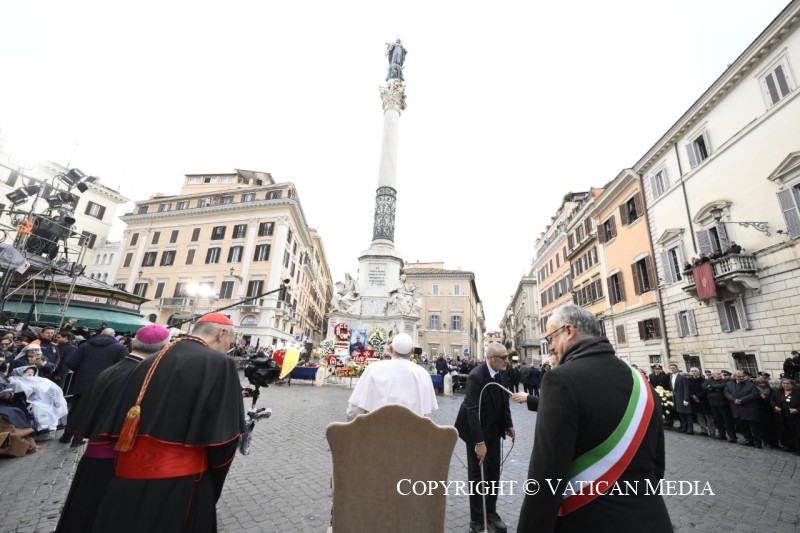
[(482, 432), (720, 406), (90, 359), (682, 397), (658, 378), (575, 423), (742, 395), (96, 467), (66, 350), (171, 467), (534, 377), (49, 350)]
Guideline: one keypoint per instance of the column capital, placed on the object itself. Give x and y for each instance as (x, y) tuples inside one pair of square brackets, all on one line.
[(394, 95)]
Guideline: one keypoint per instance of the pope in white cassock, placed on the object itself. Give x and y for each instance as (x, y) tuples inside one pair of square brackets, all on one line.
[(396, 380)]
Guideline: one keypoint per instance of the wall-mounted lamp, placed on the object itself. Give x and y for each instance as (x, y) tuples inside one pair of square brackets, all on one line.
[(763, 227), (240, 278)]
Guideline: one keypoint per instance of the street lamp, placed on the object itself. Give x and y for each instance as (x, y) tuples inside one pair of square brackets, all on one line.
[(240, 278), (763, 227)]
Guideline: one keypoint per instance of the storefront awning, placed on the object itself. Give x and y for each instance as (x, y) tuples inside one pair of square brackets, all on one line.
[(85, 316)]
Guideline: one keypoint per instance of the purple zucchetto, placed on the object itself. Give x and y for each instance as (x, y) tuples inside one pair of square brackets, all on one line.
[(152, 334)]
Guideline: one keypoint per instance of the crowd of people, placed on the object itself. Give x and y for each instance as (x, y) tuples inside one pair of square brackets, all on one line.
[(724, 405)]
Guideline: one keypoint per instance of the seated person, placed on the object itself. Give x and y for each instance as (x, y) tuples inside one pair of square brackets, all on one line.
[(31, 355), (12, 406), (45, 398)]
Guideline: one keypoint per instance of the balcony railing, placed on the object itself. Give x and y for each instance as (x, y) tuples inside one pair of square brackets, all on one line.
[(735, 271), (176, 303)]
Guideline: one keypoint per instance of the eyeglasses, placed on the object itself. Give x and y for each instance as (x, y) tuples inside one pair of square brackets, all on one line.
[(549, 338)]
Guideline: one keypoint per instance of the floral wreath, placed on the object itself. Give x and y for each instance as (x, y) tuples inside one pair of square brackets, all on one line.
[(377, 337), (342, 331)]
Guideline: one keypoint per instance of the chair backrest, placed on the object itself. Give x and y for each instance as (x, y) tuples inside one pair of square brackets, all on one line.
[(372, 455)]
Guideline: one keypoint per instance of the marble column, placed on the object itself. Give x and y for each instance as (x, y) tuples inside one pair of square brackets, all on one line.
[(393, 96)]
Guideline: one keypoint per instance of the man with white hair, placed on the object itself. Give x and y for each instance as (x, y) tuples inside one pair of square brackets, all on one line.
[(396, 380), (588, 441)]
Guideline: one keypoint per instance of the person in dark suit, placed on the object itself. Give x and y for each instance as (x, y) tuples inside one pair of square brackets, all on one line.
[(658, 378), (682, 397), (575, 421), (482, 432), (534, 377), (743, 396)]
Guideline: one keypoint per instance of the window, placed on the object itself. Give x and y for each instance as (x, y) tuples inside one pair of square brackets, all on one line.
[(607, 230), (120, 285), (433, 321), (713, 239), (173, 237), (167, 258), (776, 83), (149, 259), (140, 289), (235, 254), (686, 323), (218, 233), (286, 259), (621, 339), (95, 210), (183, 204), (789, 200), (649, 329), (435, 289), (289, 237), (180, 289), (128, 259), (134, 239), (194, 181), (189, 257), (644, 276), (249, 197), (226, 179), (631, 210), (227, 199), (698, 149), (226, 290), (433, 350), (265, 229), (456, 350), (208, 179), (88, 239), (195, 234), (273, 195), (732, 315), (261, 253), (143, 209), (456, 290), (655, 359), (692, 361), (672, 261), (745, 361), (212, 256), (616, 289), (239, 231), (164, 207), (156, 236), (204, 202), (659, 183), (455, 322), (159, 290), (254, 287)]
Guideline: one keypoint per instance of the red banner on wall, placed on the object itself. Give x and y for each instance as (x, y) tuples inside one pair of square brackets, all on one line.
[(704, 281)]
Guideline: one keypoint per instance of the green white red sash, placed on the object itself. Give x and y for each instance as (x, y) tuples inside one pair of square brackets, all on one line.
[(606, 463)]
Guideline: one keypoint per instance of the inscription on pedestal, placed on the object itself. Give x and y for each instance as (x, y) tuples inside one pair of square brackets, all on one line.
[(376, 275)]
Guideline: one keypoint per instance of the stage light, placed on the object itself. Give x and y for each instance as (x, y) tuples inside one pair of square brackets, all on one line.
[(20, 195), (73, 177), (61, 198)]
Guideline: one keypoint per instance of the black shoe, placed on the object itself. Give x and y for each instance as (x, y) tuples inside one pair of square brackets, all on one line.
[(732, 439), (66, 438), (496, 525), (77, 442), (758, 445), (747, 443), (722, 437), (475, 527)]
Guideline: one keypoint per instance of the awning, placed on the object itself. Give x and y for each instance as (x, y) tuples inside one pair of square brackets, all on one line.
[(86, 317)]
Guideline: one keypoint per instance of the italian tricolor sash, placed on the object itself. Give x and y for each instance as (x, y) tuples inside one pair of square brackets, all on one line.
[(605, 463)]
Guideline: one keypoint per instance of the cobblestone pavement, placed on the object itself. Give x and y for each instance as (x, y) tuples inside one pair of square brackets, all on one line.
[(284, 484)]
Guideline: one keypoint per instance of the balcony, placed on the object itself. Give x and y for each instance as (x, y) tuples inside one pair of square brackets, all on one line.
[(252, 306), (176, 303), (735, 272)]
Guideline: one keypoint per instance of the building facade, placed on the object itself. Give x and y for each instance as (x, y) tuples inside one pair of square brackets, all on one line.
[(727, 174), (224, 240), (521, 324), (451, 313), (582, 254)]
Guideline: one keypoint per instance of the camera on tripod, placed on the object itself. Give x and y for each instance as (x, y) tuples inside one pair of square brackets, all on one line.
[(261, 371)]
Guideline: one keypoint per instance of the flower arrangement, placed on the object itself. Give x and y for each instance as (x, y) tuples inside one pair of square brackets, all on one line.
[(377, 337), (667, 402), (327, 346), (345, 371)]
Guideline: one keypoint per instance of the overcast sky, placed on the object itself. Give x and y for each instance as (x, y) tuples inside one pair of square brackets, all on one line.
[(510, 105)]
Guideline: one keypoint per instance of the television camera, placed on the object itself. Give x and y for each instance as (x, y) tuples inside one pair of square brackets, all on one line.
[(260, 371)]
